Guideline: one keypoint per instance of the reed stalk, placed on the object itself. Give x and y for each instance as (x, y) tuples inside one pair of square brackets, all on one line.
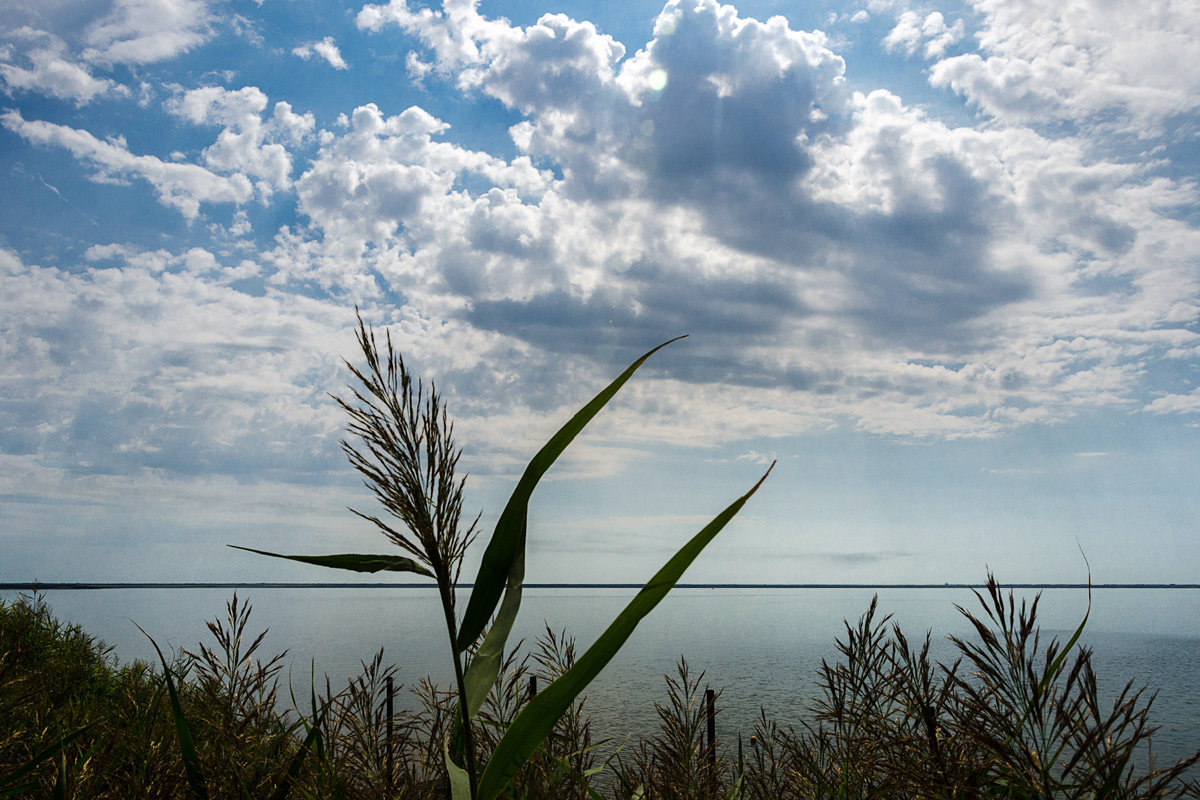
[(402, 444)]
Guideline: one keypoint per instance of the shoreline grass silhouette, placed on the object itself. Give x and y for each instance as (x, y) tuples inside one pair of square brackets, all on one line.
[(1011, 717)]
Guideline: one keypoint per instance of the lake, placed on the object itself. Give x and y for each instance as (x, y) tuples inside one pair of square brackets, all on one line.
[(761, 647)]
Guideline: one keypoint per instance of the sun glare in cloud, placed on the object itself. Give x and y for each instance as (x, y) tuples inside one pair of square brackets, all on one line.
[(993, 240)]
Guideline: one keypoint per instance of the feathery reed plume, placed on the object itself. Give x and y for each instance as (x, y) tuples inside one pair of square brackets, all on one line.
[(673, 763), (408, 459)]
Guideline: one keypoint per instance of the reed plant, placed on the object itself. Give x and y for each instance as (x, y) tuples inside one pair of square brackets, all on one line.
[(675, 762), (1011, 716), (402, 444)]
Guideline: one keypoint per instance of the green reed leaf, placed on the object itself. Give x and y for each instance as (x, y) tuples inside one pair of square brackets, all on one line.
[(355, 562), (1056, 667), (484, 669), (460, 781), (508, 540), (191, 761), (535, 722)]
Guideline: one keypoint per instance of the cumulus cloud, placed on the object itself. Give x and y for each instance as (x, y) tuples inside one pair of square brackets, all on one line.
[(913, 276), (57, 54), (721, 116), (325, 49), (248, 144), (388, 184), (912, 31), (1089, 62), (147, 359), (845, 255), (1176, 403)]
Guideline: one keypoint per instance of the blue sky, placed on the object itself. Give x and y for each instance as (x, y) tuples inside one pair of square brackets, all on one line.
[(941, 261)]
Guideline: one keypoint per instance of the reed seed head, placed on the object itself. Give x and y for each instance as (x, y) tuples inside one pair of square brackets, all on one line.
[(406, 453)]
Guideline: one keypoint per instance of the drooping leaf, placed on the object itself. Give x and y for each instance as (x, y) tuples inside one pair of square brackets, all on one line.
[(191, 761), (536, 720), (355, 562), (509, 537)]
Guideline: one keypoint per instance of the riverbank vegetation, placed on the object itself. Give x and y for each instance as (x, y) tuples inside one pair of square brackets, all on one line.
[(1014, 717), (1011, 718)]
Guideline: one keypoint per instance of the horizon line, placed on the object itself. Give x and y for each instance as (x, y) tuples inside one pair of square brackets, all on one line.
[(95, 585)]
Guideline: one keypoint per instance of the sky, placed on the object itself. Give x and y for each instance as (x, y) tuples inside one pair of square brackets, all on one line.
[(940, 261)]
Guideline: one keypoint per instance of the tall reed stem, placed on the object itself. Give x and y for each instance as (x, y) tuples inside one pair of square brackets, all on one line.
[(444, 589)]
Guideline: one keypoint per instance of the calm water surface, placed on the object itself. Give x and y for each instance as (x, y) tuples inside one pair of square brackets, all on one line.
[(762, 648)]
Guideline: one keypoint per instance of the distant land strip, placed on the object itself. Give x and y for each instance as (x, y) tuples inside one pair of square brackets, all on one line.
[(35, 586)]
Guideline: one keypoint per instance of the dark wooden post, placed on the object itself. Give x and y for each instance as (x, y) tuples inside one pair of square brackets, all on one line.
[(532, 686), (388, 740), (710, 710)]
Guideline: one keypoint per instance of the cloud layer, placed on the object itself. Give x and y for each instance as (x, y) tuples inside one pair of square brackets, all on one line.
[(840, 256)]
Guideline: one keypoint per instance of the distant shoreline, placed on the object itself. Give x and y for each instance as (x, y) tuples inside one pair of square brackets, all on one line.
[(58, 586)]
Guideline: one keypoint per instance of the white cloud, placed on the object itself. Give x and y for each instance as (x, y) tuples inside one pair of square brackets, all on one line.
[(846, 259), (325, 49), (387, 184), (911, 32), (1092, 62), (183, 186), (148, 360), (248, 144), (146, 31), (906, 35), (289, 126), (51, 73), (415, 67), (1176, 403), (862, 260)]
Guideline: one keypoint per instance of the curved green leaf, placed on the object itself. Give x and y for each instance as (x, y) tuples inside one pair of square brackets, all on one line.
[(355, 562), (537, 719), (509, 536), (460, 781), (484, 669)]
